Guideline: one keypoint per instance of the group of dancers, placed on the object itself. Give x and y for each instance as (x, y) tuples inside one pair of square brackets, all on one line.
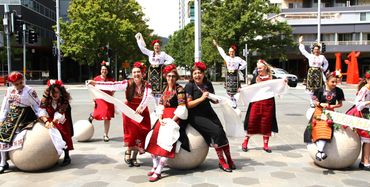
[(177, 107), (325, 95)]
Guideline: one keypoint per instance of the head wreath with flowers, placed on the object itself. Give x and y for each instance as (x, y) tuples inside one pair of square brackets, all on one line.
[(234, 47), (104, 63), (169, 68), (367, 75), (55, 82), (15, 76), (156, 41), (200, 65), (141, 66)]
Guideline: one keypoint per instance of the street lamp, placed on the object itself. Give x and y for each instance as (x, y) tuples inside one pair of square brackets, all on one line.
[(58, 41), (7, 32), (318, 21)]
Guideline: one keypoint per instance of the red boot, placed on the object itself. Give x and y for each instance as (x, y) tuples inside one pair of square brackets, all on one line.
[(245, 144), (222, 163), (226, 150), (266, 144)]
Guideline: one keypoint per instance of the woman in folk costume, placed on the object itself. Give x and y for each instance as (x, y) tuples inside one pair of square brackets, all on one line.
[(318, 65), (233, 65), (19, 109), (55, 111), (137, 92), (361, 109), (328, 97), (157, 59), (203, 118), (172, 109), (261, 115), (103, 110)]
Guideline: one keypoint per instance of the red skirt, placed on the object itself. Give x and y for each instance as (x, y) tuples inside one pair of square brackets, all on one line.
[(66, 133), (261, 117), (103, 110), (354, 112), (134, 133), (152, 146)]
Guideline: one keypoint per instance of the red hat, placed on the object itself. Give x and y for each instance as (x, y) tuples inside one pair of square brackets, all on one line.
[(56, 82), (367, 75), (104, 63), (141, 66), (201, 65), (169, 68), (156, 41), (15, 76)]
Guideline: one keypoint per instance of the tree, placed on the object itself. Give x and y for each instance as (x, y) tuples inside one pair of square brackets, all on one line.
[(237, 22), (93, 24)]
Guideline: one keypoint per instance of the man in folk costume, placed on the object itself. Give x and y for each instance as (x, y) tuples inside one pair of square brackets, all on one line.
[(55, 112), (261, 115), (157, 59), (318, 65), (19, 109), (233, 65)]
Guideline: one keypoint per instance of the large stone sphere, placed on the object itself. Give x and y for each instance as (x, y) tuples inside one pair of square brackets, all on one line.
[(83, 130), (38, 151), (342, 151), (189, 160)]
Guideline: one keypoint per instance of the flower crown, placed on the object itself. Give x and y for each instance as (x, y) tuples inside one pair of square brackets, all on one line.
[(15, 76), (155, 41), (140, 65), (169, 68), (56, 82), (200, 65)]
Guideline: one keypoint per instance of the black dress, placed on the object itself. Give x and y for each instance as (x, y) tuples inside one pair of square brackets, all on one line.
[(203, 118)]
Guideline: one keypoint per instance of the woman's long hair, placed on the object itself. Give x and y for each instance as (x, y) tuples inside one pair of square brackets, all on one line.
[(64, 99)]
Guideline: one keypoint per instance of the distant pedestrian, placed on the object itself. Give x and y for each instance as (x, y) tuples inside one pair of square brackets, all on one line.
[(103, 110)]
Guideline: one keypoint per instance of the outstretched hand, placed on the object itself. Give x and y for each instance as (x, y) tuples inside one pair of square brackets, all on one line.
[(92, 82), (138, 36), (300, 40), (215, 43)]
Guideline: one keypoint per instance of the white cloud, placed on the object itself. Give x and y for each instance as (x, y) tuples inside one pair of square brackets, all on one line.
[(163, 15)]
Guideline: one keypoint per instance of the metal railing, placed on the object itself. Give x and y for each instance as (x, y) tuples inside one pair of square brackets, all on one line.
[(10, 2)]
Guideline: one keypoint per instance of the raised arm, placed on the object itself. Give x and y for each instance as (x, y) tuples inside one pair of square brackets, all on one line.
[(302, 49), (140, 43)]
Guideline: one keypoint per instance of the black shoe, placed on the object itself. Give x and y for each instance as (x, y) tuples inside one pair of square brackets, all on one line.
[(366, 168), (318, 156), (127, 158), (223, 168), (361, 165), (267, 150), (324, 155), (135, 163), (3, 168), (91, 118), (106, 138), (245, 149), (232, 166), (66, 162)]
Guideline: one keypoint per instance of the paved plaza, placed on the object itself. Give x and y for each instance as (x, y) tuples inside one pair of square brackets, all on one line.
[(98, 163)]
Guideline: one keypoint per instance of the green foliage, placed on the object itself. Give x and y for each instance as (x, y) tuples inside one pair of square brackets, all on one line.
[(236, 22), (96, 23)]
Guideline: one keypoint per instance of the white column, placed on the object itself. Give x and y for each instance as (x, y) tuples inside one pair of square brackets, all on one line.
[(58, 42), (318, 21), (198, 35)]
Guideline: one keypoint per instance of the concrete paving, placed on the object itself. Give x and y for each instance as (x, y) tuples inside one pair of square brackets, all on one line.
[(98, 163)]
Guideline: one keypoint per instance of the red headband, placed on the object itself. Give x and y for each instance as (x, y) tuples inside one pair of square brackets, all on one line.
[(169, 68), (56, 82), (200, 65), (141, 66), (156, 41), (367, 75), (103, 63), (15, 76)]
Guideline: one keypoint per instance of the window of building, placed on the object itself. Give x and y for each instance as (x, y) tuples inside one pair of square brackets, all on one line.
[(290, 5), (345, 37), (363, 16)]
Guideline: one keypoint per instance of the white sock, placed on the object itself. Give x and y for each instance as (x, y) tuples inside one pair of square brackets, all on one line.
[(320, 145), (155, 162), (162, 162), (3, 159)]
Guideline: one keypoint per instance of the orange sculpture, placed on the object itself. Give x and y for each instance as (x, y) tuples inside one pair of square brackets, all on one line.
[(353, 76), (338, 61)]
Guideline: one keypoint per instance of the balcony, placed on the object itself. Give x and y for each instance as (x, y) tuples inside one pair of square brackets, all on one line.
[(10, 2)]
